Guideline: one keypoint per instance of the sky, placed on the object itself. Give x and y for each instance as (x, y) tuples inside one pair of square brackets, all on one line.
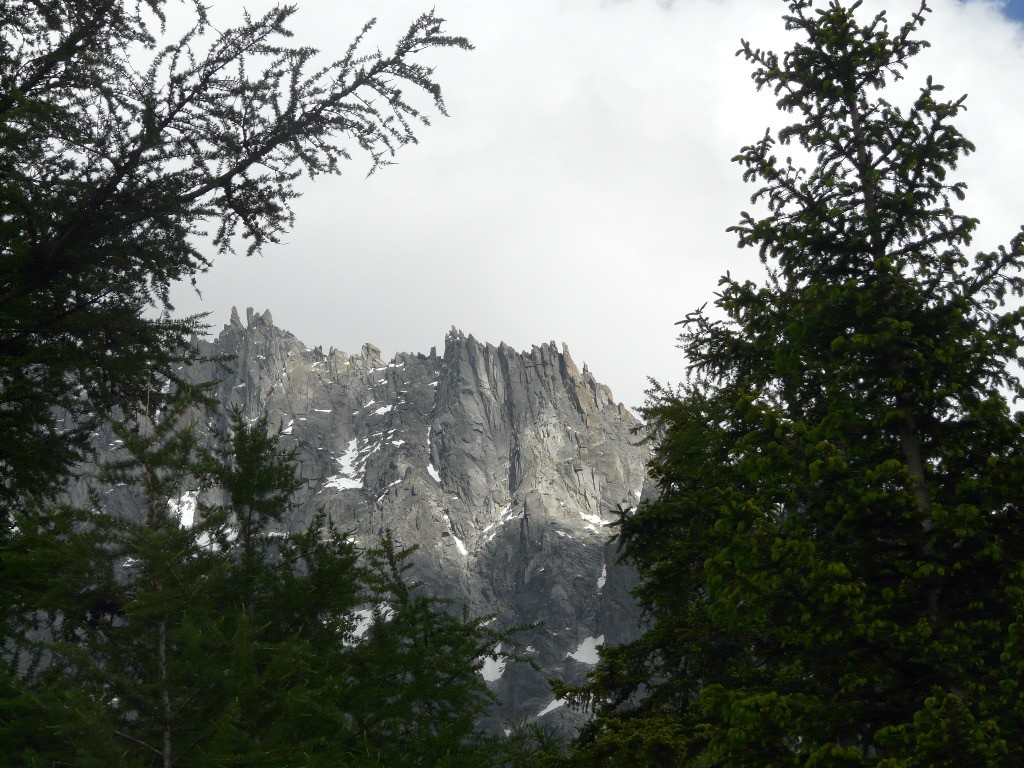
[(581, 187), (1015, 9)]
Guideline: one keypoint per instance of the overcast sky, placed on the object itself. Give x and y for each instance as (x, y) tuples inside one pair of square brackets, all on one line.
[(581, 188)]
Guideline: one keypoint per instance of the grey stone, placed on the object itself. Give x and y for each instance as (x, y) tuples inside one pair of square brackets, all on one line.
[(502, 467)]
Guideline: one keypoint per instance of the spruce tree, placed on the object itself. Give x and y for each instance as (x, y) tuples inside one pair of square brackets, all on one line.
[(58, 591), (112, 612), (307, 686), (834, 568), (286, 603), (219, 638)]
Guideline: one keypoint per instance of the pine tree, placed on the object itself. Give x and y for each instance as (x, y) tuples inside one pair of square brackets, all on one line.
[(57, 591), (287, 603), (418, 671), (112, 612), (834, 567), (306, 688), (219, 638), (111, 171)]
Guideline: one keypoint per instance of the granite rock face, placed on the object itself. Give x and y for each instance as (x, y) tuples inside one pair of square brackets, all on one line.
[(504, 467)]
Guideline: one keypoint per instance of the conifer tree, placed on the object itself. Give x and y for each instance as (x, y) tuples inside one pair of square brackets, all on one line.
[(112, 611), (57, 590), (307, 688), (834, 569), (205, 634), (286, 603)]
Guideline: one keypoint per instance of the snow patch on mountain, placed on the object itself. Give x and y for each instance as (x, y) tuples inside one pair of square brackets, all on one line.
[(184, 508), (586, 651), (494, 666), (349, 476), (551, 707)]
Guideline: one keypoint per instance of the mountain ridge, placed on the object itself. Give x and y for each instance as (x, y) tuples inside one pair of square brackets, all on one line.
[(504, 469)]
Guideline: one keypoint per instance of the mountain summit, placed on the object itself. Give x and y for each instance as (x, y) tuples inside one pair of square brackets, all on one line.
[(503, 467)]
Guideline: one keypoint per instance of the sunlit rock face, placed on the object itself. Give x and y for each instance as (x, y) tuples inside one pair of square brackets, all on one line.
[(503, 467)]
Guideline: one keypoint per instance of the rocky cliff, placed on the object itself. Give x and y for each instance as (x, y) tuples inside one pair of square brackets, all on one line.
[(504, 467)]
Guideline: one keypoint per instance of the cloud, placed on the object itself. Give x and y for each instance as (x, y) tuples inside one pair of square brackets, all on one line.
[(581, 188)]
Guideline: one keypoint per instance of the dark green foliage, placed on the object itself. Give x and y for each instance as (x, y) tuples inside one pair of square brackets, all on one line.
[(55, 591), (227, 642), (529, 745), (834, 568), (117, 613), (119, 148)]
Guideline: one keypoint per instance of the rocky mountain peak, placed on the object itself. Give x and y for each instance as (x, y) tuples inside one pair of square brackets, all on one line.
[(504, 467)]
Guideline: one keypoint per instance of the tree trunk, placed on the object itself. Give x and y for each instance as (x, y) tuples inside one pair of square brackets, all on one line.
[(165, 696)]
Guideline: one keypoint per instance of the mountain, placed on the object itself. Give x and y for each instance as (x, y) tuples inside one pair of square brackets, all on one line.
[(504, 467)]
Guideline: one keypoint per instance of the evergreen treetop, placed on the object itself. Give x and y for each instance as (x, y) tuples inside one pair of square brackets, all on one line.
[(834, 567), (223, 640)]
